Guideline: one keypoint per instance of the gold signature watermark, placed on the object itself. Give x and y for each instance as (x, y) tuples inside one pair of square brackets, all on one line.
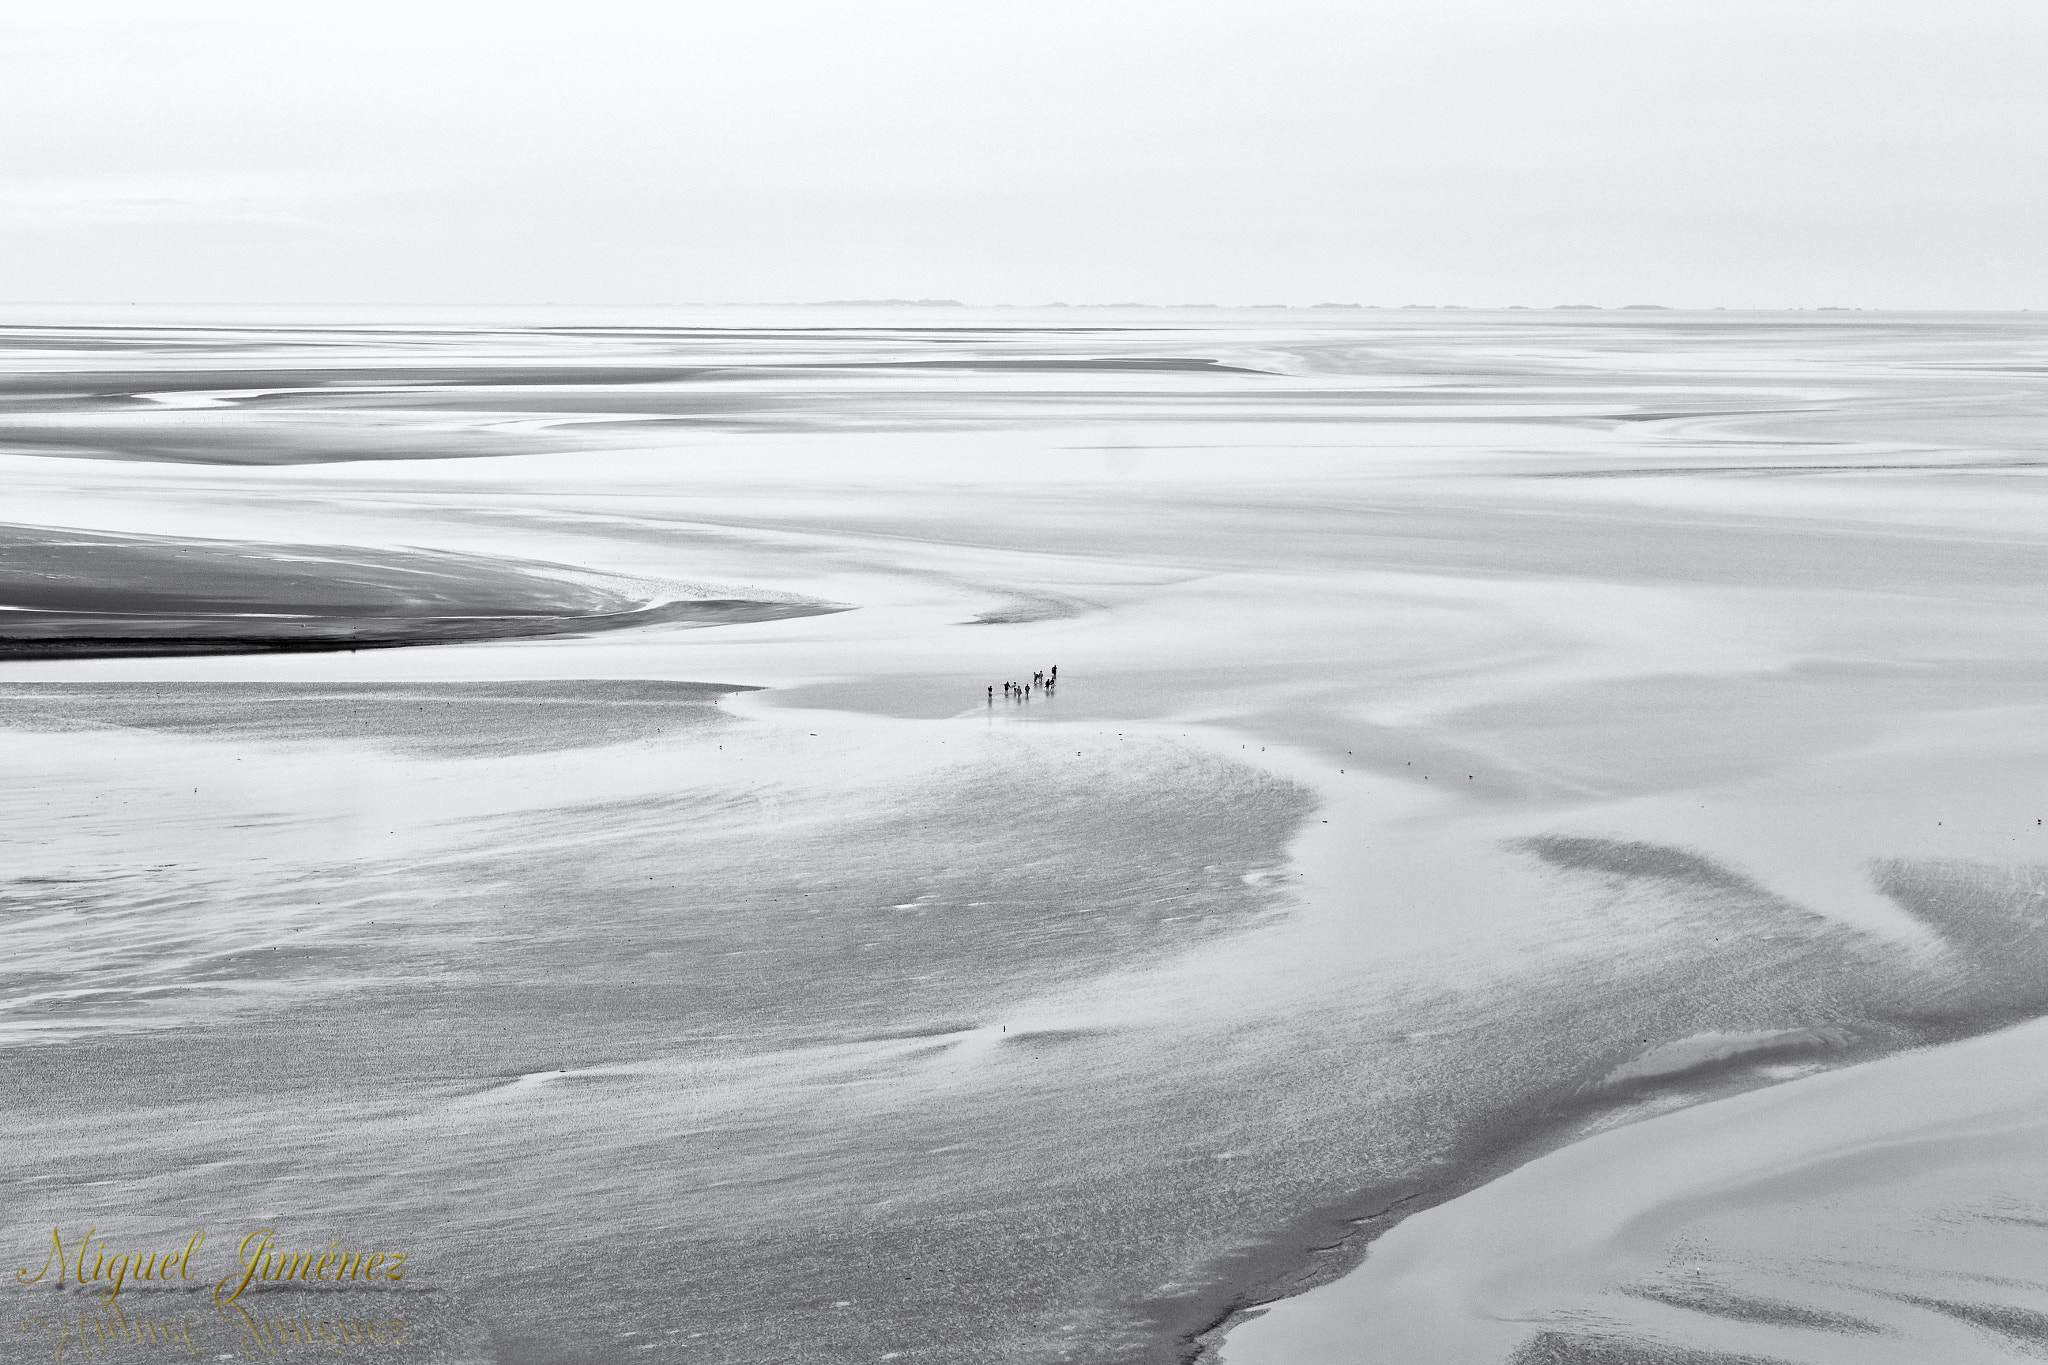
[(90, 1337), (258, 1260), (90, 1264)]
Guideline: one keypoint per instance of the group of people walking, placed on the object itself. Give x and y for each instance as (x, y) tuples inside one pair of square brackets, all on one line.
[(1043, 681)]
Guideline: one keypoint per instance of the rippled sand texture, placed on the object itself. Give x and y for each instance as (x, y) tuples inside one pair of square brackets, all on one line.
[(1888, 1214), (1479, 736)]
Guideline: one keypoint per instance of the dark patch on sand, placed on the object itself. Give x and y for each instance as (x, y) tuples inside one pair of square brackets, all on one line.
[(40, 391), (1623, 858), (70, 593), (449, 719), (1721, 1303), (1076, 365), (1575, 1348), (1051, 1037), (1023, 610), (141, 637), (2024, 1324)]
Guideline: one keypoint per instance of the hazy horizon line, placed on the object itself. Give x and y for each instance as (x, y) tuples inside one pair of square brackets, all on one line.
[(967, 305)]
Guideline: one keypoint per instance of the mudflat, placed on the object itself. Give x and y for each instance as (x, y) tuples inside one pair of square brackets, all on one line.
[(1493, 756)]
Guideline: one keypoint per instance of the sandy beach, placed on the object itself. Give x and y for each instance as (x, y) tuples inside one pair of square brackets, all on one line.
[(1539, 818)]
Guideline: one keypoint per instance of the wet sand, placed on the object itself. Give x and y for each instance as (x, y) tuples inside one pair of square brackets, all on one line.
[(1478, 736), (69, 594), (1888, 1213)]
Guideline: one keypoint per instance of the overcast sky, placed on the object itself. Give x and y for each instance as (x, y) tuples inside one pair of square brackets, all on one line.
[(1889, 153)]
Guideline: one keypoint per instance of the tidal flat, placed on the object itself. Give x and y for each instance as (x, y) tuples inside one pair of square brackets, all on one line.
[(1532, 802)]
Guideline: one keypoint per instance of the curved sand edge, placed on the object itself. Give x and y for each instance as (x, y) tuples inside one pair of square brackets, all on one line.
[(1887, 1212)]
